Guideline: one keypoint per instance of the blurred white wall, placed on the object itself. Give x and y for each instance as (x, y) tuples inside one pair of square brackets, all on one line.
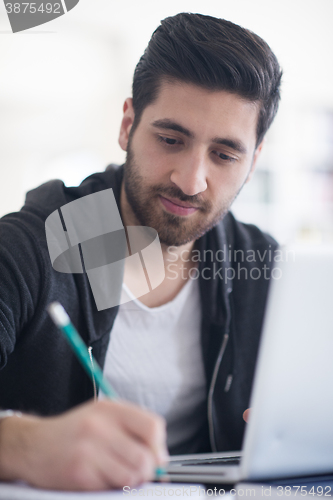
[(62, 87)]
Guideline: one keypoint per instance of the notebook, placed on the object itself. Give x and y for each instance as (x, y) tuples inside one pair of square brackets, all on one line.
[(290, 429)]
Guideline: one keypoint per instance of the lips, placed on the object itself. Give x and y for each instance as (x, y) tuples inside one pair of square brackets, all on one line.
[(177, 207)]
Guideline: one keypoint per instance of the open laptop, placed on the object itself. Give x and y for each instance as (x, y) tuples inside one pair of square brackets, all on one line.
[(290, 429)]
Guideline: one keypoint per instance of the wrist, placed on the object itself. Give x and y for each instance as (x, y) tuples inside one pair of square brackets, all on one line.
[(14, 429)]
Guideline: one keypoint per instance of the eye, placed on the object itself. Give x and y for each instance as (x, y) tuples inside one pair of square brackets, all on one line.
[(169, 141), (224, 157)]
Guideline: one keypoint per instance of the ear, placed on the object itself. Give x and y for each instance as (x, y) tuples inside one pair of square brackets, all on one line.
[(254, 161), (126, 123)]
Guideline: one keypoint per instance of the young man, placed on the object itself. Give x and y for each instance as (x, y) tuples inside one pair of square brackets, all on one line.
[(204, 94)]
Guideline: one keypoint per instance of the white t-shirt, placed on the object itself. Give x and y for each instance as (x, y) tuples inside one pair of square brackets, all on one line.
[(154, 359)]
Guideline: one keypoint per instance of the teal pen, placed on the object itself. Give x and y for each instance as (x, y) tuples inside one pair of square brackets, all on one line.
[(63, 322)]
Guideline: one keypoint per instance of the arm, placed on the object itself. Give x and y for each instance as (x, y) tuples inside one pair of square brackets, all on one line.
[(92, 447), (20, 275)]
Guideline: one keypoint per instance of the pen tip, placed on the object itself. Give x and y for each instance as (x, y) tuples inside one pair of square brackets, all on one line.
[(160, 472)]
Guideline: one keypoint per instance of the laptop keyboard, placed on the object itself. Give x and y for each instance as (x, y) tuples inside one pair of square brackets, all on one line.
[(213, 461)]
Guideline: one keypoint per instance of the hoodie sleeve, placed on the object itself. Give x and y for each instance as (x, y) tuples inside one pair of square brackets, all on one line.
[(20, 281)]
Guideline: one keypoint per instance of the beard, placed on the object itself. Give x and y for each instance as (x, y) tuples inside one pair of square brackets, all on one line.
[(173, 230)]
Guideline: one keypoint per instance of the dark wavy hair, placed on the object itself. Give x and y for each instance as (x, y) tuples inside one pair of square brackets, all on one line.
[(214, 54)]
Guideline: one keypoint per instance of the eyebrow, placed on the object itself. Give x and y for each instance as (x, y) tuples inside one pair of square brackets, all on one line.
[(167, 124), (170, 125)]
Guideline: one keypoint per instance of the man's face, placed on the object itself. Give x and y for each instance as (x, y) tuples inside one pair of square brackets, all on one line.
[(187, 160)]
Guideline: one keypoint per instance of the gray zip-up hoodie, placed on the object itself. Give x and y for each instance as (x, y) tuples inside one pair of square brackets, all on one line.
[(38, 371)]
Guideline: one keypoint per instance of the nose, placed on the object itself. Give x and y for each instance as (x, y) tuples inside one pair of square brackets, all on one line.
[(190, 174)]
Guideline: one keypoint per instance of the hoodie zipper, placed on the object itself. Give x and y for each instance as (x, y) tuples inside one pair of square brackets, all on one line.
[(211, 391), (92, 372), (214, 377)]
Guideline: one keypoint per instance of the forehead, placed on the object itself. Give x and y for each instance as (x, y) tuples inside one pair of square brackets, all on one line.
[(206, 113)]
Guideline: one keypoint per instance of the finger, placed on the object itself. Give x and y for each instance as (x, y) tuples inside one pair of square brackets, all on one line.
[(246, 414), (94, 466), (99, 470), (115, 473), (146, 427), (135, 454), (110, 438)]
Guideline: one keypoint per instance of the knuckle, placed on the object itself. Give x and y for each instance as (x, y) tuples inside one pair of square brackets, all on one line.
[(148, 475), (88, 426), (146, 471), (156, 428), (140, 457), (144, 464)]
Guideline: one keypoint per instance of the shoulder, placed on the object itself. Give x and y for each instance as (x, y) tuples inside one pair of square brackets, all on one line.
[(22, 234), (50, 196)]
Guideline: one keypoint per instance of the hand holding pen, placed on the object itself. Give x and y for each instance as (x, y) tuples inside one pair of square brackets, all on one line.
[(141, 432)]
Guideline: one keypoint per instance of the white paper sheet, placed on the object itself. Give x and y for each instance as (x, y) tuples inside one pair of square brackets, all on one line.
[(20, 491)]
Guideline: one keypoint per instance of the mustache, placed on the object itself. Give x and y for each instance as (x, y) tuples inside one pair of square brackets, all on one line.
[(176, 193)]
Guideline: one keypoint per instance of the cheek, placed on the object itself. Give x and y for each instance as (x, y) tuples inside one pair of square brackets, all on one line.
[(154, 169), (150, 162), (226, 182)]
